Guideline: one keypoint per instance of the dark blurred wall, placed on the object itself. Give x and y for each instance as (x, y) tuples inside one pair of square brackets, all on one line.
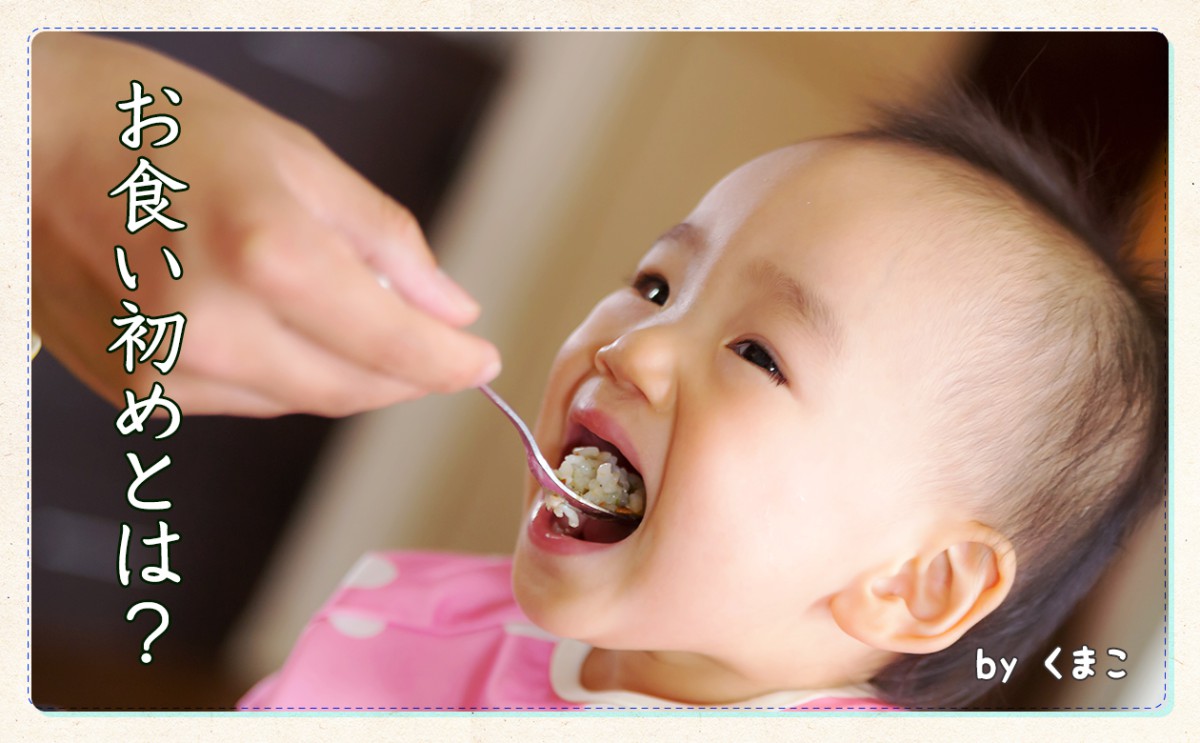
[(1100, 95)]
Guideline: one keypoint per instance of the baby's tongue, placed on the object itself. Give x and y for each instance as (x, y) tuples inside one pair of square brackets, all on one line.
[(604, 530)]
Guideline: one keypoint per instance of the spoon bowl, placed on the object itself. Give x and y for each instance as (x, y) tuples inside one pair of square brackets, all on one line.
[(544, 474)]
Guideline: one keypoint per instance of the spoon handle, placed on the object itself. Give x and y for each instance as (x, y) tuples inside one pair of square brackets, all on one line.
[(533, 454)]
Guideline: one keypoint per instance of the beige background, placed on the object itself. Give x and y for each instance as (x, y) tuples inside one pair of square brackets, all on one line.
[(1174, 19)]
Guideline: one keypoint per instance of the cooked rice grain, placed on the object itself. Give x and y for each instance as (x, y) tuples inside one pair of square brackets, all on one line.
[(595, 475)]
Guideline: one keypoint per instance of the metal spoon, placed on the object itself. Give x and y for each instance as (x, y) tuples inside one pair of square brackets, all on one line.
[(542, 471)]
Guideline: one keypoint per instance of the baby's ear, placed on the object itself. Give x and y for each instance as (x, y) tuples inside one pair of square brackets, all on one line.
[(928, 601)]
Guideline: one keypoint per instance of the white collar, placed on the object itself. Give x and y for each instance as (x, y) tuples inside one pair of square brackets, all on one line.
[(566, 666)]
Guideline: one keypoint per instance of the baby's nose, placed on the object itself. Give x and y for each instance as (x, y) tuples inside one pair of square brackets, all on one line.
[(644, 361)]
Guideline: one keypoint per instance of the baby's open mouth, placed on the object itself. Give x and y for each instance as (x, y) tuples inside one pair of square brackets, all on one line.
[(597, 472)]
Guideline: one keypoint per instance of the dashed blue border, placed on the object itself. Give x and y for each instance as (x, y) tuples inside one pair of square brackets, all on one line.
[(1162, 708)]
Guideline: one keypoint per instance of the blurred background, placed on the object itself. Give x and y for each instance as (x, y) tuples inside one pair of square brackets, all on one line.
[(542, 165)]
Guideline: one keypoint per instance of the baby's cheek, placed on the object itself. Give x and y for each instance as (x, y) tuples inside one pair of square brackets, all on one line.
[(609, 319), (700, 585), (612, 316), (574, 360), (733, 463)]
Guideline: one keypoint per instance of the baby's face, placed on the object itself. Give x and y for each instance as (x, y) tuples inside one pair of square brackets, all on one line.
[(764, 374)]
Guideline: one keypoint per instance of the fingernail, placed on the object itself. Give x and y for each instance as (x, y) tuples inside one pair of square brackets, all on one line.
[(455, 293), (490, 372)]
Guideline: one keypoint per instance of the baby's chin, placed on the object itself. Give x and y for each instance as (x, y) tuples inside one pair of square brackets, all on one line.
[(540, 606), (575, 612)]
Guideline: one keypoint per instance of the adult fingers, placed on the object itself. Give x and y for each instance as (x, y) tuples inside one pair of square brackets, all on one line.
[(353, 317), (268, 359), (385, 234), (203, 396), (320, 287)]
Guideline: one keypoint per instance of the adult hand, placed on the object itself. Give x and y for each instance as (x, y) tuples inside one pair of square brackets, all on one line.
[(281, 256)]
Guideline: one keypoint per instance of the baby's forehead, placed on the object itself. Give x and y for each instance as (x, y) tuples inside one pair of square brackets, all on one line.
[(880, 230), (964, 215), (851, 185), (842, 209), (874, 175)]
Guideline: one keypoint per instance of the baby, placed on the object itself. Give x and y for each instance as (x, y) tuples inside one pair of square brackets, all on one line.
[(891, 401)]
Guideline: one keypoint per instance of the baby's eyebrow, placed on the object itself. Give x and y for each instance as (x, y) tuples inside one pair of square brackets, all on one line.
[(685, 234), (806, 306)]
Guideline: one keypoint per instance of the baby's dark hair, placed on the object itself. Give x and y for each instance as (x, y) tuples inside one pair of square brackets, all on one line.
[(1091, 433)]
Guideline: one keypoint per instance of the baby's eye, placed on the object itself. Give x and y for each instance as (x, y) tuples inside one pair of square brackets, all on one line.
[(652, 288), (760, 357)]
